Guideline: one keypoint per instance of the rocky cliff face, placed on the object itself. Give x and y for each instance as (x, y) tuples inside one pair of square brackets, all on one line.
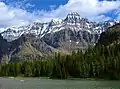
[(76, 33)]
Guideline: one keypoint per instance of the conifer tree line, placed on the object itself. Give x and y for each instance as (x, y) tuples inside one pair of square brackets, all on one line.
[(99, 62)]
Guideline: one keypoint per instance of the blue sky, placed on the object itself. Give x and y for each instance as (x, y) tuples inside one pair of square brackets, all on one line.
[(37, 4), (22, 12)]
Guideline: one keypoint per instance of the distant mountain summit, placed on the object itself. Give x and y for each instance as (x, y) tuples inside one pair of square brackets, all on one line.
[(58, 35), (74, 20)]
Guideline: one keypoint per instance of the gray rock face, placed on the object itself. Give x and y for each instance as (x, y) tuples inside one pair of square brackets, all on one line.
[(75, 39), (76, 33), (28, 47)]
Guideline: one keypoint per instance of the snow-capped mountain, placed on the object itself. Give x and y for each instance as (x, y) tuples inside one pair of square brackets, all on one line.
[(73, 21), (41, 39)]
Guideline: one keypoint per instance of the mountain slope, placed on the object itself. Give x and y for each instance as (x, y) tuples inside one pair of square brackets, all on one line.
[(111, 36), (3, 47), (76, 33), (28, 47)]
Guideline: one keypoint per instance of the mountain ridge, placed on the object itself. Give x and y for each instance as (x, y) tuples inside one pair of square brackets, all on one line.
[(44, 39), (40, 29)]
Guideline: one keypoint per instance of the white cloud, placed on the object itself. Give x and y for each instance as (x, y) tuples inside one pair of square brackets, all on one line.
[(10, 16), (92, 9)]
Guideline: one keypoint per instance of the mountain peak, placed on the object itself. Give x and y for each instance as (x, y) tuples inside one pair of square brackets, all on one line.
[(56, 21), (73, 14), (73, 17)]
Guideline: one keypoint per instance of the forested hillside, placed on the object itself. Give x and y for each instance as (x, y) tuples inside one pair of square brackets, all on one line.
[(102, 61)]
